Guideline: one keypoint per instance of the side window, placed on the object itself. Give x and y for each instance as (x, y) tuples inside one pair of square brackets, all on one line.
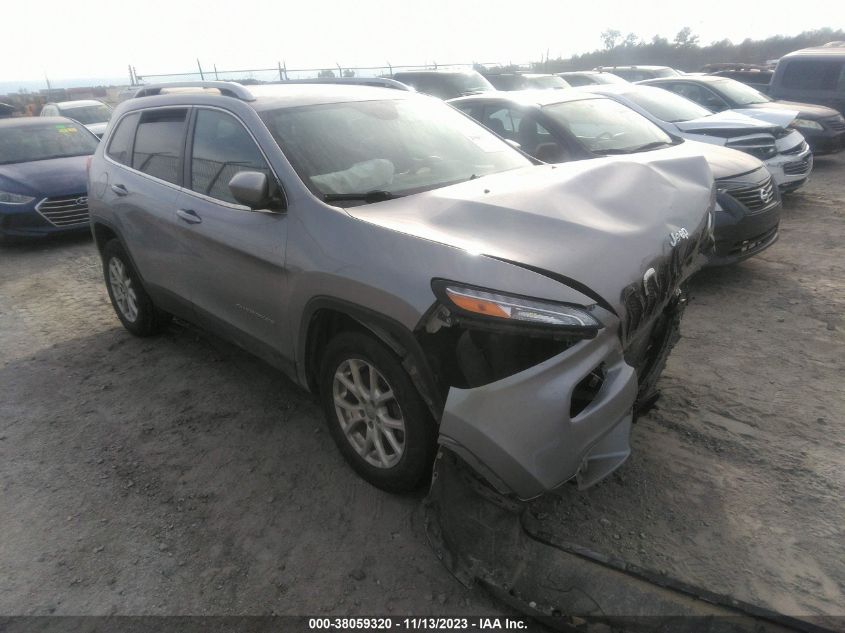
[(222, 147), (702, 96), (502, 120), (120, 143), (810, 74), (158, 143)]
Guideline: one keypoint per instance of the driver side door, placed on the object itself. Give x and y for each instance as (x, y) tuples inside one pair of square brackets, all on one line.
[(234, 256)]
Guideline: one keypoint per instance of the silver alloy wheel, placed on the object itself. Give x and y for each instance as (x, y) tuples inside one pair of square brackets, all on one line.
[(368, 413), (122, 290)]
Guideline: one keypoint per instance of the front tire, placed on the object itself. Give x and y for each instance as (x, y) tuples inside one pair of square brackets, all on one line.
[(376, 417), (130, 301)]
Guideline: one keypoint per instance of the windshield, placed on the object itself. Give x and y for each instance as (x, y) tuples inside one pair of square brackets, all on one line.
[(546, 82), (604, 126), (41, 142), (396, 146), (88, 114), (739, 93), (470, 82), (667, 106), (666, 72)]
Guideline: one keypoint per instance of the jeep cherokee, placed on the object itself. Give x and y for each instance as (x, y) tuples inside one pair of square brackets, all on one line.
[(429, 282)]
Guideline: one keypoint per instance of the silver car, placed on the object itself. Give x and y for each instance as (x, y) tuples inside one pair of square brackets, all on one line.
[(426, 280), (91, 113), (784, 151)]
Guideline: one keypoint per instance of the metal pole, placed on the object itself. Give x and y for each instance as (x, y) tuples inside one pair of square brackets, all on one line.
[(279, 64), (339, 70), (215, 73), (135, 75), (200, 68), (391, 68), (131, 79)]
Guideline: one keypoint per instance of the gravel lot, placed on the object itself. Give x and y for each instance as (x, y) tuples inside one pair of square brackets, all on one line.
[(178, 475)]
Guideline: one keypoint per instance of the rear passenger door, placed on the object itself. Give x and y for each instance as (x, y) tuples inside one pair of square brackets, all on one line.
[(145, 153), (234, 256)]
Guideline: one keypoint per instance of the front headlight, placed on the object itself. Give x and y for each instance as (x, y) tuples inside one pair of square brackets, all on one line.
[(494, 307), (807, 124), (14, 198)]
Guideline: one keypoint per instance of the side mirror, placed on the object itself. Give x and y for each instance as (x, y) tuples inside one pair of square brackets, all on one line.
[(252, 189)]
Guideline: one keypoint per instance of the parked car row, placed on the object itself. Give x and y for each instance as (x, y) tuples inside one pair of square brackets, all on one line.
[(507, 284)]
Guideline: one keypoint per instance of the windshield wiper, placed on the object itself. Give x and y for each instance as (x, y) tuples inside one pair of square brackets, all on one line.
[(370, 196)]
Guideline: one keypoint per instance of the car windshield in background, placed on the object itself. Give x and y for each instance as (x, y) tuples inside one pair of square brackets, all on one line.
[(607, 127), (88, 115), (393, 147), (36, 142), (546, 83), (667, 106), (470, 82), (666, 72), (739, 93)]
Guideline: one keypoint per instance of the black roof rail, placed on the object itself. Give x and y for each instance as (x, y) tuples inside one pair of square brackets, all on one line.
[(226, 88)]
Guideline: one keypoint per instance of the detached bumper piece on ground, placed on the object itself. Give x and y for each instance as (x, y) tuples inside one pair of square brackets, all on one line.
[(482, 536)]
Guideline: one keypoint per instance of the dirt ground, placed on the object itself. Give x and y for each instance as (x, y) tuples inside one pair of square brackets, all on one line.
[(178, 475)]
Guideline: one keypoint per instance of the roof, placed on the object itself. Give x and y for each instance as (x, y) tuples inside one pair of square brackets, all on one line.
[(76, 104), (35, 121), (633, 67), (818, 51), (531, 97), (269, 96), (434, 72), (700, 78)]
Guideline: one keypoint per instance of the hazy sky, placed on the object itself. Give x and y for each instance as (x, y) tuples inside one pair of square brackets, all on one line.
[(94, 38)]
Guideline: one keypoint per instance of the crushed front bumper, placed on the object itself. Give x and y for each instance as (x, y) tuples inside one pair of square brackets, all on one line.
[(522, 434), (791, 170), (741, 234)]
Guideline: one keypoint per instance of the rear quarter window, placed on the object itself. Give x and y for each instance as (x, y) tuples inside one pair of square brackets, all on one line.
[(120, 143), (159, 141)]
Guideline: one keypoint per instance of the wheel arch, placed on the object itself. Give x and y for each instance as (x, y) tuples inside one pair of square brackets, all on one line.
[(324, 317)]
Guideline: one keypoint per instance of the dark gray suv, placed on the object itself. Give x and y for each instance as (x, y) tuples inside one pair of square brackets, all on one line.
[(426, 280)]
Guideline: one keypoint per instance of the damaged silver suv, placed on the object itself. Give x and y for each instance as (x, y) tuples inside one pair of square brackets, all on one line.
[(429, 282)]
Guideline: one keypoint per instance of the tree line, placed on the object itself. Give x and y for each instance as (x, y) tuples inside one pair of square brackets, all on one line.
[(685, 52)]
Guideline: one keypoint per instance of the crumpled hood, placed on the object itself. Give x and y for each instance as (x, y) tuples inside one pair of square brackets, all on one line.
[(44, 178), (730, 119), (724, 161), (805, 110), (601, 223), (775, 116)]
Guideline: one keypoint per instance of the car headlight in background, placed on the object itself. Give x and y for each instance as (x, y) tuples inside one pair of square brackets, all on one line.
[(807, 124), (7, 197), (519, 311)]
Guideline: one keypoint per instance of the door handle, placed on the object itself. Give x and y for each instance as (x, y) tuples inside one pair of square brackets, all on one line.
[(189, 215), (119, 190)]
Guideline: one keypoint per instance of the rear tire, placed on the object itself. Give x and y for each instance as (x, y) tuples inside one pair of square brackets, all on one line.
[(130, 301), (375, 415)]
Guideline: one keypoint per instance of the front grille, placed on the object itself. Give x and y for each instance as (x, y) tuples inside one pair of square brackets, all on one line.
[(802, 146), (762, 148), (645, 298), (754, 197), (65, 210), (797, 168), (836, 123)]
